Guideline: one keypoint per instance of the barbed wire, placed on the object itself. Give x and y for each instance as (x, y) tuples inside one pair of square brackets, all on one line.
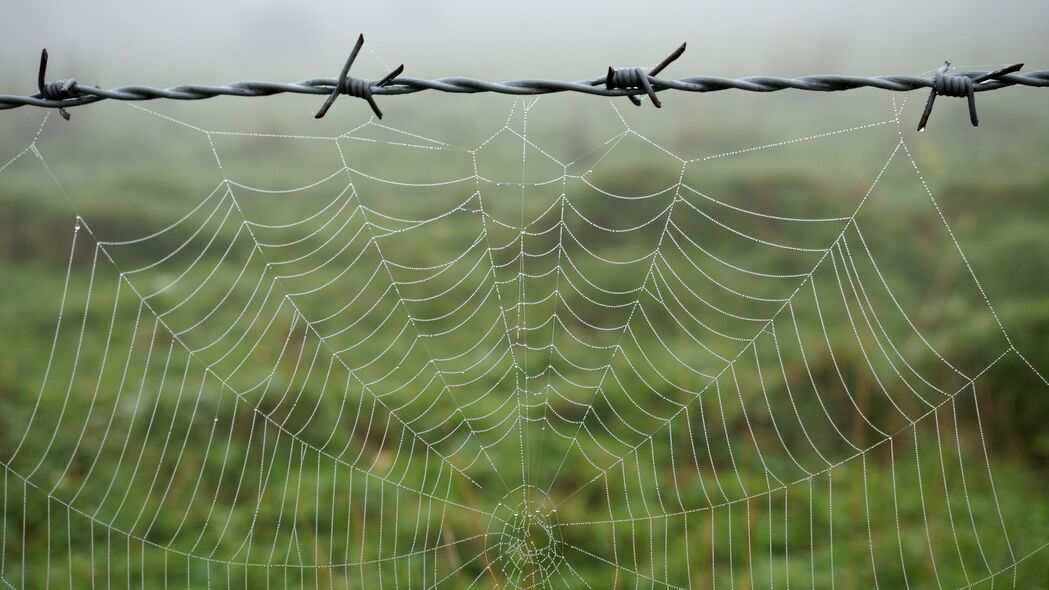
[(629, 82)]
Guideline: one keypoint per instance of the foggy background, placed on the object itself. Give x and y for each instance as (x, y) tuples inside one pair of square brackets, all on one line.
[(116, 42), (132, 169)]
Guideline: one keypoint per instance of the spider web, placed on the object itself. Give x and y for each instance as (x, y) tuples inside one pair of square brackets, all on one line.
[(521, 374)]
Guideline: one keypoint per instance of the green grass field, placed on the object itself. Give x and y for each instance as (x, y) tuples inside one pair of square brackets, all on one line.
[(295, 361)]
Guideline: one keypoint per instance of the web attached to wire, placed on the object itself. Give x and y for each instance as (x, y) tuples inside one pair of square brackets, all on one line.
[(528, 380)]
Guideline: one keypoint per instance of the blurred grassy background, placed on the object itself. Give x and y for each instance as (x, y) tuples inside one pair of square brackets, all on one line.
[(170, 455), (129, 173)]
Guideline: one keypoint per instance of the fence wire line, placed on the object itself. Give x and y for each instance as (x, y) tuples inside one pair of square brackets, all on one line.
[(460, 85)]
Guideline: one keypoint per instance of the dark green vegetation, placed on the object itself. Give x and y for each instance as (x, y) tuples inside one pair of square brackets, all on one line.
[(408, 403)]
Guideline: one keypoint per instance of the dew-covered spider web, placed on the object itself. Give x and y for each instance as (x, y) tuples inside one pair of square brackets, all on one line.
[(543, 359)]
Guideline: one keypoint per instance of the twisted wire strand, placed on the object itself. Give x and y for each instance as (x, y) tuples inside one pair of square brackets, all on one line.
[(459, 85)]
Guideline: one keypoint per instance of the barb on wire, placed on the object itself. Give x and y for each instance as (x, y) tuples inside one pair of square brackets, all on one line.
[(960, 85), (630, 82), (632, 78), (347, 84), (58, 90)]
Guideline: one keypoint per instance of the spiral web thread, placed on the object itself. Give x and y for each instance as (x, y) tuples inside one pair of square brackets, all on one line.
[(420, 418)]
